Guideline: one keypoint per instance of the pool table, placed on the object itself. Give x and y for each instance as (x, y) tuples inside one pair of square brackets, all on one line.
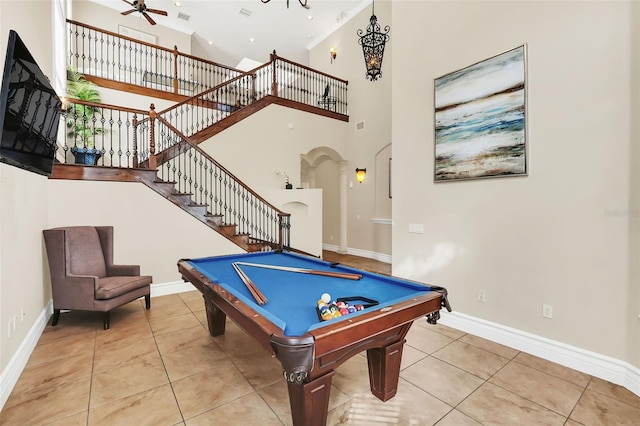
[(289, 326)]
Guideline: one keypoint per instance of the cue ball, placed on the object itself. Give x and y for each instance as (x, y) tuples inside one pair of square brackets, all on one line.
[(326, 297)]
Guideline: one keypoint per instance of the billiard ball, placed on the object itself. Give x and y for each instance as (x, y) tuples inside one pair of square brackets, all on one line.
[(326, 297)]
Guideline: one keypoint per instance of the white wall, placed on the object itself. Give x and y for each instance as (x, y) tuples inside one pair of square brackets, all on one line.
[(369, 102), (551, 237), (23, 196), (106, 18), (149, 230), (273, 140), (305, 207)]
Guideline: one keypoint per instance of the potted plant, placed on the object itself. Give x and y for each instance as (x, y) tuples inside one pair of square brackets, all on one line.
[(287, 184), (81, 126)]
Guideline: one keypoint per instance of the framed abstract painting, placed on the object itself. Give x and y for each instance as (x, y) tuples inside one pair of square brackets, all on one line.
[(480, 119)]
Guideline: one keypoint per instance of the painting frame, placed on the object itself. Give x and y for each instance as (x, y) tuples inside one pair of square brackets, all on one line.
[(390, 178), (480, 119)]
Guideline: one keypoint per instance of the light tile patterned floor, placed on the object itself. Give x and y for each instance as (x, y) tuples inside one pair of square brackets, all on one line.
[(161, 367)]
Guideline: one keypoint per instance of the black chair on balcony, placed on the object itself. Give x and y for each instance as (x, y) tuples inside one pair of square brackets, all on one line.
[(326, 101)]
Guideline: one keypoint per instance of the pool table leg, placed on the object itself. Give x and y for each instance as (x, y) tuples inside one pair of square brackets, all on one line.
[(384, 370), (310, 401), (216, 318)]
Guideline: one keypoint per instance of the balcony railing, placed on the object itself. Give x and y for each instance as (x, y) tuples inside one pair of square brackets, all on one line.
[(117, 136), (100, 53), (107, 55), (278, 77)]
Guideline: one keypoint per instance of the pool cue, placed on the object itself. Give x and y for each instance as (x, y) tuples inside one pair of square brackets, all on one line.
[(343, 275), (250, 285)]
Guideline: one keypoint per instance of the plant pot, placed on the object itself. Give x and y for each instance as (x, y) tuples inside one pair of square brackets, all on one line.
[(288, 186), (87, 156)]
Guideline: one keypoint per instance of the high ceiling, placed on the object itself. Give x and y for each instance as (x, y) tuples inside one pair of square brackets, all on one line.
[(252, 29)]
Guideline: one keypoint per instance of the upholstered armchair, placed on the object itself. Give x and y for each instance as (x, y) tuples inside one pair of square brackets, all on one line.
[(83, 276)]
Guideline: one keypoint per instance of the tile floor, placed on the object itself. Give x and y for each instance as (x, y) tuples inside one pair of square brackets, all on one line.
[(161, 367)]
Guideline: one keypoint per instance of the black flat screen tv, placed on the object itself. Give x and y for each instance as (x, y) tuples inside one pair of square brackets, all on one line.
[(29, 112)]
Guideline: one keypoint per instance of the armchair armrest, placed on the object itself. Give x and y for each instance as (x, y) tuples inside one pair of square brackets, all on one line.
[(123, 270), (74, 291)]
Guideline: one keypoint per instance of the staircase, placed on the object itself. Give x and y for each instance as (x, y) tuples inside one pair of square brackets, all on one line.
[(160, 149)]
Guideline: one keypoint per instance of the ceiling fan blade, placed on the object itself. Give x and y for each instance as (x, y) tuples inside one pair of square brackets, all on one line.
[(129, 3), (151, 21), (159, 12), (128, 12)]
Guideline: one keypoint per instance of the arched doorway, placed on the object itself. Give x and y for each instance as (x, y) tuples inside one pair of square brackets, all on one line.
[(325, 168)]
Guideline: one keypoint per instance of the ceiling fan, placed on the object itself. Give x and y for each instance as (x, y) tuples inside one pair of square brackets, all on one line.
[(139, 6)]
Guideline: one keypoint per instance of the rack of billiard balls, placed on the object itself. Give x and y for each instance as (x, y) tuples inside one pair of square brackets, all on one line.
[(328, 309)]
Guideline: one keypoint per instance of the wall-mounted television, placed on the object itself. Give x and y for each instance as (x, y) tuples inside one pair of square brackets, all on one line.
[(29, 112)]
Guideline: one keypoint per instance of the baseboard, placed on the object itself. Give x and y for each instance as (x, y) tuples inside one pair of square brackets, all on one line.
[(174, 287), (597, 365), (18, 361), (381, 257)]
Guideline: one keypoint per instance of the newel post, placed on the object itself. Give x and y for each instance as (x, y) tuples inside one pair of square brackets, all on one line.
[(152, 137), (284, 230), (175, 69), (274, 84)]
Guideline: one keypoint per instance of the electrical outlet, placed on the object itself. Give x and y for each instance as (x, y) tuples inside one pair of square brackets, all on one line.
[(547, 311), (482, 296), (416, 228)]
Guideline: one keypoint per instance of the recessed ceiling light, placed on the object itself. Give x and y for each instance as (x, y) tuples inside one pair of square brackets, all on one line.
[(252, 40), (177, 4), (210, 42), (309, 18)]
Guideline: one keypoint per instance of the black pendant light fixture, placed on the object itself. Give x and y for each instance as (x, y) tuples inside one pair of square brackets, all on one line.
[(372, 43)]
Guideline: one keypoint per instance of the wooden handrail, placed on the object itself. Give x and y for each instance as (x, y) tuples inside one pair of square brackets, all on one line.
[(106, 106)]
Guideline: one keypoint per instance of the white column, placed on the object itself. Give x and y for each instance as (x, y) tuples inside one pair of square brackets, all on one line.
[(342, 165)]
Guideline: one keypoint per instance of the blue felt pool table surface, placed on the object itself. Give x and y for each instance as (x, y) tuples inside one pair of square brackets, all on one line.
[(291, 296)]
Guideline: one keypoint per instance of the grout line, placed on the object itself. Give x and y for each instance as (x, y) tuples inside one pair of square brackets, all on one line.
[(584, 390), (93, 365), (175, 397)]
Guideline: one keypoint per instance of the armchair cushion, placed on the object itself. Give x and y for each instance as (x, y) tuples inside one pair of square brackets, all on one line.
[(111, 287)]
